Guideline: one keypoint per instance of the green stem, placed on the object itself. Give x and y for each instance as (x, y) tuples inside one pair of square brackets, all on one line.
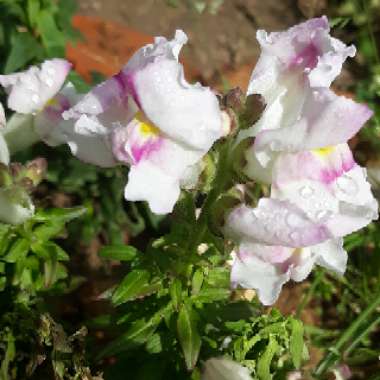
[(361, 336), (335, 351), (306, 299), (222, 177), (370, 30)]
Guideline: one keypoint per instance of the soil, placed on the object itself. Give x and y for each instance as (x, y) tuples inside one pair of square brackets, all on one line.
[(219, 42)]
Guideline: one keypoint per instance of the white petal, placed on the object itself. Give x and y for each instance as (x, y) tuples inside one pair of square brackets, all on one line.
[(30, 90), (251, 271), (149, 183), (224, 369), (331, 255), (2, 117), (274, 222)]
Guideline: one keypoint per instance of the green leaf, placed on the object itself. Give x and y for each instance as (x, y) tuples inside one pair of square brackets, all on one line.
[(197, 281), (188, 335), (48, 230), (118, 252), (140, 331), (62, 215), (33, 10), (52, 38), (208, 295), (24, 48), (296, 342), (264, 362), (49, 249), (176, 293), (18, 251), (131, 287)]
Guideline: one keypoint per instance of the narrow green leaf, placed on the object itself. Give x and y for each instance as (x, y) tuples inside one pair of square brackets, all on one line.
[(265, 360), (140, 331), (296, 342), (52, 38), (131, 286), (18, 251), (63, 215), (118, 252), (176, 293), (208, 295), (188, 335), (197, 281), (33, 10), (24, 48), (48, 230)]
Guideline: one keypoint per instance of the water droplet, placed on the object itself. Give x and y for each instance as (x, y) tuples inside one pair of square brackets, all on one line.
[(35, 98), (347, 185), (323, 214), (293, 220), (51, 71), (49, 82), (306, 191), (294, 236)]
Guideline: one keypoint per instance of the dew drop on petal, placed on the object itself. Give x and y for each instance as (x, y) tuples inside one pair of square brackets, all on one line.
[(294, 236), (306, 191), (293, 220), (35, 98), (323, 214), (347, 185), (49, 82)]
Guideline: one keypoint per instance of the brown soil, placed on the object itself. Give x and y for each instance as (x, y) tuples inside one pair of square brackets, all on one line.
[(224, 41)]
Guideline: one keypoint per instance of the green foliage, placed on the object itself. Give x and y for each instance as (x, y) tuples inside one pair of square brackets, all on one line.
[(33, 30), (31, 260)]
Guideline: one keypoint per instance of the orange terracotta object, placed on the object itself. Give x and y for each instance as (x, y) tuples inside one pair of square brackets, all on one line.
[(105, 48)]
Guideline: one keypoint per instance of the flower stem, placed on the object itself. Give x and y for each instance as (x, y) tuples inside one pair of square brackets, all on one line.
[(335, 351), (222, 177)]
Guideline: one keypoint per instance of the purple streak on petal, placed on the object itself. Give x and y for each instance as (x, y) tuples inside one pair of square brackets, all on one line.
[(306, 58), (126, 79), (328, 176), (143, 151)]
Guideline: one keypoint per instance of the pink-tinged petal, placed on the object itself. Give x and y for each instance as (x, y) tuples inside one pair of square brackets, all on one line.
[(266, 268), (189, 114), (326, 120), (106, 104), (158, 164), (328, 186), (274, 222), (251, 271), (30, 90), (306, 50), (87, 139)]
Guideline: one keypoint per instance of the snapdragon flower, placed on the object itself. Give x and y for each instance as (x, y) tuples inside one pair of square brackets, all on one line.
[(293, 74), (318, 194), (158, 123)]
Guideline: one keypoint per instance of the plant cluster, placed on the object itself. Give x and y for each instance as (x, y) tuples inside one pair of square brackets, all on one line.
[(255, 199)]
